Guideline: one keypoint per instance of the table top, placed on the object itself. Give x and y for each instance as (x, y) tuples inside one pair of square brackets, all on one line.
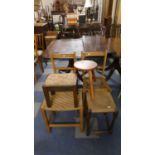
[(100, 43), (39, 24), (86, 43), (85, 64)]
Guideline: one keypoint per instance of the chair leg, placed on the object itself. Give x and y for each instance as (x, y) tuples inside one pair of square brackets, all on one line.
[(35, 77), (110, 74), (81, 119), (41, 63), (88, 123), (115, 114), (44, 115)]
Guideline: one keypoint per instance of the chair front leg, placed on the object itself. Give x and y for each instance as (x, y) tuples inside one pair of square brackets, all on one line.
[(81, 119), (45, 118), (88, 123), (41, 63)]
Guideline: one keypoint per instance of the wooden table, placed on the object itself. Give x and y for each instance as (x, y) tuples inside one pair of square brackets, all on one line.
[(40, 27), (86, 43), (89, 43), (88, 66)]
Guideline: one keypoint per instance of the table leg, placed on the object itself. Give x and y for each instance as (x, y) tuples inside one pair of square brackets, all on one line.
[(112, 67), (91, 84)]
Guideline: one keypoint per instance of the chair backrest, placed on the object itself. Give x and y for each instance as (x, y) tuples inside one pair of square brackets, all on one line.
[(40, 41), (55, 57), (99, 56), (35, 45)]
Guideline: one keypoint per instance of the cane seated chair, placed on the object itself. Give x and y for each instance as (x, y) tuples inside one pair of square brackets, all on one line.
[(38, 53), (102, 103), (60, 97), (40, 44)]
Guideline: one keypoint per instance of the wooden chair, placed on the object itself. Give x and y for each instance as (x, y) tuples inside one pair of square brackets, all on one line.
[(61, 95), (70, 57), (38, 54), (102, 103), (99, 57), (50, 36)]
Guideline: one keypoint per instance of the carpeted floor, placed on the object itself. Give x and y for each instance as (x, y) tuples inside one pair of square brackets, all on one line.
[(69, 141)]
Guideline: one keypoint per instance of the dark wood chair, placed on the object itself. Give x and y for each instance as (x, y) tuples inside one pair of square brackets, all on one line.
[(102, 103), (38, 54)]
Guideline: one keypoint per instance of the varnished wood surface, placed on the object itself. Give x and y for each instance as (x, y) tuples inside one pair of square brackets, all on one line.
[(85, 65), (64, 46), (86, 43), (39, 24), (99, 43)]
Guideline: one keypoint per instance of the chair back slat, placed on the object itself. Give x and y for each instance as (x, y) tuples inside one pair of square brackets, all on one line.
[(35, 45), (96, 54), (40, 41), (55, 57)]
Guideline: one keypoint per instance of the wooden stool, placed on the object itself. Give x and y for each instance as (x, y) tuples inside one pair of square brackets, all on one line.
[(88, 66)]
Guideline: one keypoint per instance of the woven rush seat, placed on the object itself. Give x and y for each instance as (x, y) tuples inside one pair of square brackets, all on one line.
[(102, 103), (67, 79), (63, 101)]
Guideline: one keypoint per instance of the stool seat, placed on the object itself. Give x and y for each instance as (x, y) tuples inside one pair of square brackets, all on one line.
[(66, 79), (63, 101), (102, 102)]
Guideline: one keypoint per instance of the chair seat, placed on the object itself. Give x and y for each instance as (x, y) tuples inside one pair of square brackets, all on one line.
[(62, 101), (66, 79), (102, 103), (50, 37), (39, 52)]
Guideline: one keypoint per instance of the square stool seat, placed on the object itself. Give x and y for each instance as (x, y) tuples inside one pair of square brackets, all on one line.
[(66, 79)]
